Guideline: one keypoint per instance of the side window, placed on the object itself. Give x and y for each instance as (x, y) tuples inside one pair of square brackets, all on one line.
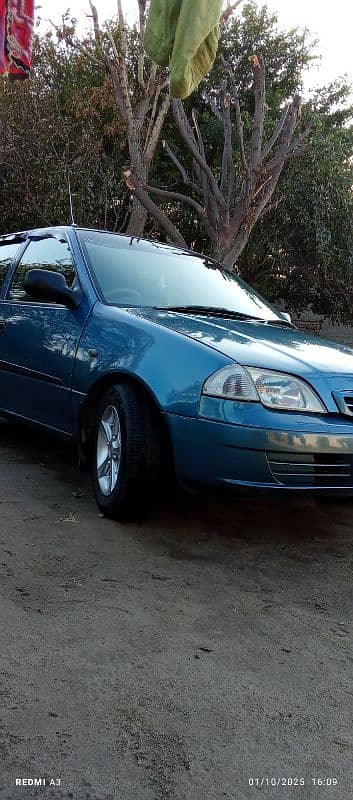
[(45, 254), (7, 254)]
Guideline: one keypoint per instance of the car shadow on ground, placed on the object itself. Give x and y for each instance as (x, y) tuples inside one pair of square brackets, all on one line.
[(183, 520)]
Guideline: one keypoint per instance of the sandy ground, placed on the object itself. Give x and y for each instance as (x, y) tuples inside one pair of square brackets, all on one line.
[(176, 658)]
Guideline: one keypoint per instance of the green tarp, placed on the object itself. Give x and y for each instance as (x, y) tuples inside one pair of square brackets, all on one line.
[(183, 34)]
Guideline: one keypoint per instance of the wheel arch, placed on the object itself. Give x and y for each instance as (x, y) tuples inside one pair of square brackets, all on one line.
[(92, 399)]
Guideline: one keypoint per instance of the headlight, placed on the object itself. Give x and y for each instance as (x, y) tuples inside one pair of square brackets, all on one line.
[(277, 390), (273, 389), (233, 383)]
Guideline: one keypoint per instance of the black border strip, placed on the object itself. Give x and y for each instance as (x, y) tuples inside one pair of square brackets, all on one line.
[(17, 369)]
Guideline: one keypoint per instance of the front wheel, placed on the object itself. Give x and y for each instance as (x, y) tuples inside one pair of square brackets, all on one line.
[(126, 453)]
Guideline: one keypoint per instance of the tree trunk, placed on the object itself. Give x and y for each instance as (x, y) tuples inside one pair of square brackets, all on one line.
[(231, 254), (137, 219), (144, 116), (223, 242)]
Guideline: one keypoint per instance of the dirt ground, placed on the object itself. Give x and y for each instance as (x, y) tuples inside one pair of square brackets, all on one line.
[(181, 658)]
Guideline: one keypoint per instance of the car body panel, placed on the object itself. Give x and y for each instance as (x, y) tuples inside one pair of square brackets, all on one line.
[(38, 349), (217, 454), (38, 344), (172, 367), (327, 366), (259, 344)]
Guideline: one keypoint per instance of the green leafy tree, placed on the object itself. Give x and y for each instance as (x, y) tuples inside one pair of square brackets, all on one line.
[(303, 250), (61, 119)]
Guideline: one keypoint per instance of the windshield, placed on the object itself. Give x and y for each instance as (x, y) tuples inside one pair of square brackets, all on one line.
[(135, 272)]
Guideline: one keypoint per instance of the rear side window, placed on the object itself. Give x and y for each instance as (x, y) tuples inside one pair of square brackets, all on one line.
[(7, 255)]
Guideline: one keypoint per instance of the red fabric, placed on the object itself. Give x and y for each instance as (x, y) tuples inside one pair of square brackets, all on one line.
[(16, 31), (3, 56)]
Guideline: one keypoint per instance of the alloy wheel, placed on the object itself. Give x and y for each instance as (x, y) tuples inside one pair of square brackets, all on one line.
[(108, 450)]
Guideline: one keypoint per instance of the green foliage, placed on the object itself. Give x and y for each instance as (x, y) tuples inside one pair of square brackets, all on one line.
[(287, 55), (64, 116), (303, 250)]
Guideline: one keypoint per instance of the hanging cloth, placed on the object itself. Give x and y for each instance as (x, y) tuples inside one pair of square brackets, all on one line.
[(184, 35), (16, 32)]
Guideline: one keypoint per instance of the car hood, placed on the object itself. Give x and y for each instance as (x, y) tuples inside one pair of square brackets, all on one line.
[(258, 344)]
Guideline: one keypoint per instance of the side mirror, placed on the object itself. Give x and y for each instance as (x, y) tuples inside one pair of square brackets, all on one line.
[(43, 284)]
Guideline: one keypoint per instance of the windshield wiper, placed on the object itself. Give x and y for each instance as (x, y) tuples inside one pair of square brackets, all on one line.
[(217, 311), (207, 311), (284, 323)]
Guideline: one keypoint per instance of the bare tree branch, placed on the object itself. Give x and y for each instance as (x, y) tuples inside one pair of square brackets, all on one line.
[(76, 45), (277, 132), (301, 140), (292, 152), (152, 80), (143, 111), (184, 129), (198, 134), (142, 16), (119, 99), (96, 28), (240, 130), (122, 29), (227, 214), (141, 56), (229, 11), (261, 187), (239, 121), (206, 191), (259, 113), (230, 216), (156, 130), (291, 122), (152, 208), (180, 198), (228, 170), (176, 162), (158, 91), (208, 185), (122, 67), (270, 207)]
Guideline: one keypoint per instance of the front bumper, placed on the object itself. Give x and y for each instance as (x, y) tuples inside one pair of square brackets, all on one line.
[(294, 453)]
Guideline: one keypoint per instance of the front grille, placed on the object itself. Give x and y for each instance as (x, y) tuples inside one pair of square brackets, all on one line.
[(344, 401), (310, 469), (348, 401)]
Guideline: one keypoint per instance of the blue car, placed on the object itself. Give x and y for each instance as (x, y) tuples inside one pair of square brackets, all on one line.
[(153, 358)]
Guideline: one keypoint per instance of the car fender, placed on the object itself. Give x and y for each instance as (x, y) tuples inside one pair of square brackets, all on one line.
[(172, 366)]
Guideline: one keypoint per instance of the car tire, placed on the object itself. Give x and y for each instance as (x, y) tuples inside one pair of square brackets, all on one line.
[(127, 453)]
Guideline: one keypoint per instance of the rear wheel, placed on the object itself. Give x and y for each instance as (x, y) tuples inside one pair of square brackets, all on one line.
[(127, 453)]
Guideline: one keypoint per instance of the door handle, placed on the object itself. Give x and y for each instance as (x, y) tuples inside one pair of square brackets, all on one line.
[(2, 325)]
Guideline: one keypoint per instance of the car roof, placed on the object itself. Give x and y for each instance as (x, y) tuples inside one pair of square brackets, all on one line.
[(56, 230), (8, 237)]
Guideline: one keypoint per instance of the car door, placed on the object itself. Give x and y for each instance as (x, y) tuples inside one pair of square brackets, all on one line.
[(38, 340)]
